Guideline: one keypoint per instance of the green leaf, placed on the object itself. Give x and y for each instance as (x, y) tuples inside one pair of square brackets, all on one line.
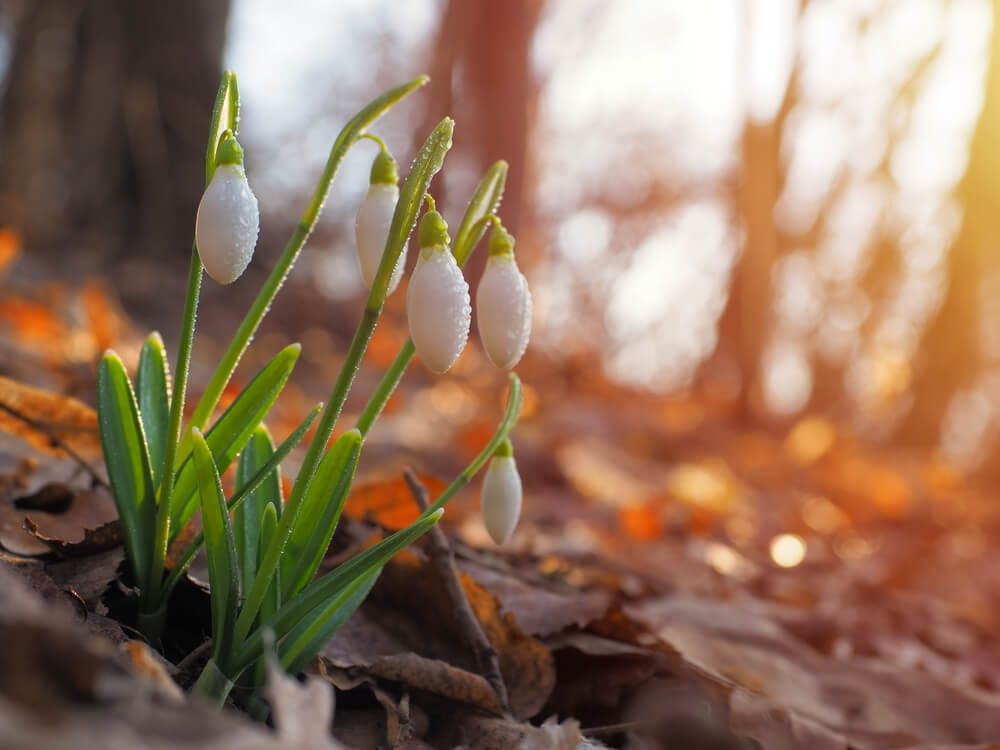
[(152, 384), (268, 530), (231, 432), (411, 197), (127, 459), (236, 501), (485, 201), (326, 587), (318, 514), (305, 640), (347, 137), (225, 116), (220, 549), (247, 518)]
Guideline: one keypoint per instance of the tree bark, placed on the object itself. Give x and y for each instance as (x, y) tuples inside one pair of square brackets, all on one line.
[(481, 75), (951, 352), (103, 126)]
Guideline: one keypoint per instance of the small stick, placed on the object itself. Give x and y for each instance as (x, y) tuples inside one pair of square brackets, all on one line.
[(193, 657), (444, 560)]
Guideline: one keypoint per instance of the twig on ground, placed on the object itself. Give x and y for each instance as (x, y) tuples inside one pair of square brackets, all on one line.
[(443, 559), (193, 658)]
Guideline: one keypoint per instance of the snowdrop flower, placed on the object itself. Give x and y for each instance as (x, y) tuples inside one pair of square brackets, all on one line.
[(375, 218), (501, 495), (437, 300), (503, 303), (228, 217)]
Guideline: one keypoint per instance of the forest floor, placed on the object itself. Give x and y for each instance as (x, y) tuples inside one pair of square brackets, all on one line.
[(678, 580)]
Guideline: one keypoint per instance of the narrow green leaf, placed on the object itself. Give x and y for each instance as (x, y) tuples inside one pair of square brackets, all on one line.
[(236, 501), (347, 137), (127, 459), (305, 640), (411, 197), (220, 549), (485, 201), (319, 513), (247, 518), (329, 585), (268, 530), (425, 166), (152, 386), (231, 432), (225, 116)]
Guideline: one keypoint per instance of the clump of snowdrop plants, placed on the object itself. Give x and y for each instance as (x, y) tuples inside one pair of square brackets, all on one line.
[(264, 549)]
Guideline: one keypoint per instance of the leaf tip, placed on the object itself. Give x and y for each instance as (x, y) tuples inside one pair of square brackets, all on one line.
[(111, 359)]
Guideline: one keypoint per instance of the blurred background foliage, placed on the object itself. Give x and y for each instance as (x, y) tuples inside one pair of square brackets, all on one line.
[(784, 206)]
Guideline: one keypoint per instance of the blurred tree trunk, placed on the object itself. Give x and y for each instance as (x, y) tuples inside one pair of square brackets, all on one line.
[(102, 130), (951, 353), (481, 74), (746, 321)]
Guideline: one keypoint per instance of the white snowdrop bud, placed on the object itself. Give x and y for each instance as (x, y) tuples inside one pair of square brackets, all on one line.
[(501, 496), (375, 218), (503, 304), (228, 218), (437, 300)]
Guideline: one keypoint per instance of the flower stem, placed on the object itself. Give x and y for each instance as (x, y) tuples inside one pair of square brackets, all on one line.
[(151, 597), (428, 162), (212, 685), (514, 401), (351, 132), (483, 204), (385, 388), (310, 463)]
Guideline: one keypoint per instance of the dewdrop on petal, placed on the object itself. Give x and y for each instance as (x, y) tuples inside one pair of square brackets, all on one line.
[(228, 218), (437, 299), (501, 495), (374, 219), (503, 303)]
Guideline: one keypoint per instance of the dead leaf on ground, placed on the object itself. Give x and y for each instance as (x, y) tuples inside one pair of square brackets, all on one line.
[(422, 646), (864, 703), (388, 502), (303, 712), (45, 420), (80, 517), (540, 609)]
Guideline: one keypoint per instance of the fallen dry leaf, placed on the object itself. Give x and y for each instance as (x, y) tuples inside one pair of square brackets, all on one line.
[(63, 518), (388, 502), (421, 647), (48, 420)]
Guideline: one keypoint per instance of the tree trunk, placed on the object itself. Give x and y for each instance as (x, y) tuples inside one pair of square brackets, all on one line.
[(481, 75), (951, 353), (103, 126)]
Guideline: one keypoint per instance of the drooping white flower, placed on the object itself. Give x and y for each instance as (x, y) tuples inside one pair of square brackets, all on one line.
[(228, 218), (374, 220), (437, 301), (501, 496), (503, 309)]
